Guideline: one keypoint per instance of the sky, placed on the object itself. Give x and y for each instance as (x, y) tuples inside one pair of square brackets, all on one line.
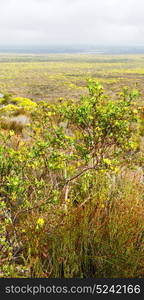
[(71, 22)]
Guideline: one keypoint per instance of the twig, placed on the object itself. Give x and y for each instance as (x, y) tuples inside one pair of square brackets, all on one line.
[(80, 173)]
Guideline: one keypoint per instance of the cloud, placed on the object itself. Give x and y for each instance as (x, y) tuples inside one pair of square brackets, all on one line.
[(46, 22)]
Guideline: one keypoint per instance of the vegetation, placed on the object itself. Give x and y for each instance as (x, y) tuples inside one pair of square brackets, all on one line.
[(71, 186), (50, 77)]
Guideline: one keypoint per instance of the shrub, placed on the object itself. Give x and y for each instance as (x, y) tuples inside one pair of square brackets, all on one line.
[(62, 213)]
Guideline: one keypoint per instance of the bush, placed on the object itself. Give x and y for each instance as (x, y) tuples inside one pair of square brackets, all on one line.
[(64, 211)]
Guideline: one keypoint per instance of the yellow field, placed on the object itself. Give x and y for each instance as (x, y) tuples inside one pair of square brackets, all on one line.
[(50, 77)]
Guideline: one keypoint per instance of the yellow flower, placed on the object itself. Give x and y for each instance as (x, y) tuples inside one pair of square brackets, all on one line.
[(49, 113), (40, 222), (11, 133)]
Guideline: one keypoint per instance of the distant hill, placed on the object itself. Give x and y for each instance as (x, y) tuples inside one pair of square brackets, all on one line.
[(74, 49)]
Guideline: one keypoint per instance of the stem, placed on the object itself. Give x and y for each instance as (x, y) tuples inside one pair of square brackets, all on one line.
[(80, 173)]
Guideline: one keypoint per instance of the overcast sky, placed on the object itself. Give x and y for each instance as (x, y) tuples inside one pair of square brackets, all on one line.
[(71, 22)]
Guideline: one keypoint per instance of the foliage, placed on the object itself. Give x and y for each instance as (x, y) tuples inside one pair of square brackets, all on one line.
[(66, 211)]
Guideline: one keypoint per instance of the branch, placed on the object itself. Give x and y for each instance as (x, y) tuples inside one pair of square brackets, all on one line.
[(80, 173), (27, 210)]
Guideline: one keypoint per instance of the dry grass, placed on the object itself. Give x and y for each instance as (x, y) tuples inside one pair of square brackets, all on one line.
[(92, 240)]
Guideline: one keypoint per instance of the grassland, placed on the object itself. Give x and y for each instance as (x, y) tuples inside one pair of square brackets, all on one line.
[(71, 173), (50, 77)]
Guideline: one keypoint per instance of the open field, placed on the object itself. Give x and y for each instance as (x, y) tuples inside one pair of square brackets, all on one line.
[(71, 166), (50, 77)]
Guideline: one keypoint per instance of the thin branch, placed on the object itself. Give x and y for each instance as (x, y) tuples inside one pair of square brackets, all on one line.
[(65, 184), (80, 173)]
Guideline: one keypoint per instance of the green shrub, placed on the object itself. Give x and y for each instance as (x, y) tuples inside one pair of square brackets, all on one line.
[(68, 209)]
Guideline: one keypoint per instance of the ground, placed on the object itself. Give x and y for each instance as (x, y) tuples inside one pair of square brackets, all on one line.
[(50, 77)]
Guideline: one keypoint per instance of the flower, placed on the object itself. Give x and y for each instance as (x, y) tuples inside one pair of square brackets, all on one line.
[(11, 133), (40, 222)]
